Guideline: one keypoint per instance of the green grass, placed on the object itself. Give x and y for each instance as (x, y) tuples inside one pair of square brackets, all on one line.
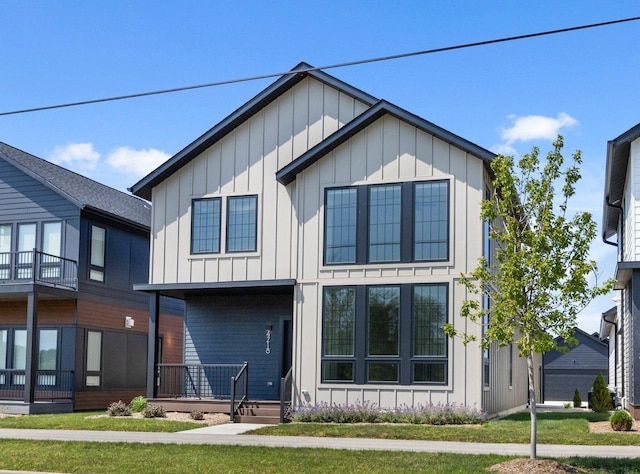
[(553, 428), (87, 421), (145, 458)]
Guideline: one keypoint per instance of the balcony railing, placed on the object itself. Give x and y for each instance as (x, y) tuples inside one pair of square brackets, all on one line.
[(195, 380), (50, 384), (38, 267)]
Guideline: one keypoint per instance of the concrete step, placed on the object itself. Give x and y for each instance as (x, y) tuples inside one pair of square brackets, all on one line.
[(263, 420)]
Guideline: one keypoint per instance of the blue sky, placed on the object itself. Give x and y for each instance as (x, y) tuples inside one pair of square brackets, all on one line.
[(504, 97)]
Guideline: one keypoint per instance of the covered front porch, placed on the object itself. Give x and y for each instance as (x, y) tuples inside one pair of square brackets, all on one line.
[(237, 350)]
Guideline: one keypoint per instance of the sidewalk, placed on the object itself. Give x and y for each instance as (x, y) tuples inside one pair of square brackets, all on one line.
[(214, 437)]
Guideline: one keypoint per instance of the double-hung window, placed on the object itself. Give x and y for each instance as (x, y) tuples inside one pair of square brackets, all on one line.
[(240, 221), (404, 222), (385, 334)]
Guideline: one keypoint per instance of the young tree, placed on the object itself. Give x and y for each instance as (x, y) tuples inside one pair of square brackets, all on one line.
[(538, 280)]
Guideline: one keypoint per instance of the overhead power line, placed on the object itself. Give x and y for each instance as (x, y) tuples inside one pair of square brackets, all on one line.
[(331, 66)]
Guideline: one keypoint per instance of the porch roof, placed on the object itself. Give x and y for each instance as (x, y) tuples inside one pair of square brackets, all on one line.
[(185, 290)]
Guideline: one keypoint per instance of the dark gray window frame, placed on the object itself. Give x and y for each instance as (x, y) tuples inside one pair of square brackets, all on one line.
[(193, 217), (405, 360), (407, 223), (255, 227)]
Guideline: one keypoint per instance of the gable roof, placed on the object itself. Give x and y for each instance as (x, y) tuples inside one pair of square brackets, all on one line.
[(579, 333), (303, 70), (618, 151), (289, 172), (80, 190)]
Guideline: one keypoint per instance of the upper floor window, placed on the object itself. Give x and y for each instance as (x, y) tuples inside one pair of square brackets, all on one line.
[(240, 221), (5, 251), (52, 238), (405, 222), (98, 249), (205, 226)]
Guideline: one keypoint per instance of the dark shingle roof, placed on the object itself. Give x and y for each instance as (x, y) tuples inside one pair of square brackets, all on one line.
[(82, 191)]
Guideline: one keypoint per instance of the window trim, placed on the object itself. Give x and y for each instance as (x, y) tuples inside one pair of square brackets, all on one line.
[(193, 217), (227, 220), (102, 270), (93, 373), (407, 224), (405, 359)]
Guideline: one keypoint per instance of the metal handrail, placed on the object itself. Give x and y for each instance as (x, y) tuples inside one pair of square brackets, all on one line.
[(195, 380), (243, 377), (286, 386), (50, 384)]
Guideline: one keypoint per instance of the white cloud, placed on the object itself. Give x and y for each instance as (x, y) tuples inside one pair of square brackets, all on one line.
[(79, 156), (503, 149), (136, 162), (534, 127)]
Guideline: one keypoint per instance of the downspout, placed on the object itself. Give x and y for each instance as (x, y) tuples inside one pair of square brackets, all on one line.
[(615, 359), (615, 206), (620, 242)]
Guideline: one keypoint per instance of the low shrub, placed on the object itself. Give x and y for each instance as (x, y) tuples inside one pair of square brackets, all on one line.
[(621, 421), (153, 411), (138, 404), (430, 414), (196, 415), (119, 408), (568, 405), (577, 399)]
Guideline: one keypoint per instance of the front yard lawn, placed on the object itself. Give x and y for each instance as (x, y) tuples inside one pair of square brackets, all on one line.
[(553, 428), (145, 458), (93, 421)]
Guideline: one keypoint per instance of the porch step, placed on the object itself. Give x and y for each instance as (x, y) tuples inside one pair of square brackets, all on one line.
[(263, 412)]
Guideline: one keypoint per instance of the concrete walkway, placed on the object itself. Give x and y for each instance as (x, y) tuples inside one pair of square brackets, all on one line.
[(213, 436)]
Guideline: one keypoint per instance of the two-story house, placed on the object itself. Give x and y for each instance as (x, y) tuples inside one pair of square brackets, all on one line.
[(621, 219), (73, 333), (320, 232)]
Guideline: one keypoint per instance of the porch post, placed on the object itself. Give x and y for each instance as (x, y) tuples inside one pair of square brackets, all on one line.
[(31, 356), (152, 353)]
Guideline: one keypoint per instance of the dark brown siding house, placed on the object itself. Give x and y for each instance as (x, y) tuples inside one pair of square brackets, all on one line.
[(73, 333)]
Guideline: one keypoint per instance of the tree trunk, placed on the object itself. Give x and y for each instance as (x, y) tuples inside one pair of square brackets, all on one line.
[(532, 406)]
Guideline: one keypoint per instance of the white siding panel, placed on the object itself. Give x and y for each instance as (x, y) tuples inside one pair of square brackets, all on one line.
[(424, 154), (346, 110), (197, 269), (316, 113), (269, 202), (407, 151), (241, 160), (440, 157), (358, 158), (300, 118), (283, 234), (285, 130), (331, 107), (200, 177), (171, 230), (213, 158), (374, 151), (256, 142), (227, 167), (183, 242), (158, 234), (211, 270), (342, 159), (390, 145)]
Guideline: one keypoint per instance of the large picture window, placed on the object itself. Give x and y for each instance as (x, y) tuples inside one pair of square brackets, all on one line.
[(385, 334), (405, 222)]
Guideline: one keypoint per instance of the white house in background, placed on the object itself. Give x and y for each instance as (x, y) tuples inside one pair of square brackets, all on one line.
[(621, 217), (322, 230)]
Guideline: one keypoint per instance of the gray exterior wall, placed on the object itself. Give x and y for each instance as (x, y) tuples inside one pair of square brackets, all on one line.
[(232, 330), (576, 369)]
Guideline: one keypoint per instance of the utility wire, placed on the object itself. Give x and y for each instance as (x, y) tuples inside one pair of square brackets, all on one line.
[(331, 66)]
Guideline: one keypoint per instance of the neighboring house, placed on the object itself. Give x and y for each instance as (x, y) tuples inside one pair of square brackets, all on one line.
[(621, 218), (322, 230), (73, 333), (564, 372)]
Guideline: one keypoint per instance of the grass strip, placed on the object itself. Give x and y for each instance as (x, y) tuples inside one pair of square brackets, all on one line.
[(82, 457)]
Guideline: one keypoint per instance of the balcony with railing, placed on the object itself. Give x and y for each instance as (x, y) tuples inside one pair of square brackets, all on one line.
[(34, 266), (51, 385)]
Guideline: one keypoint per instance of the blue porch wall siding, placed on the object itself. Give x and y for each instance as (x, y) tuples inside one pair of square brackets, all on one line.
[(232, 330)]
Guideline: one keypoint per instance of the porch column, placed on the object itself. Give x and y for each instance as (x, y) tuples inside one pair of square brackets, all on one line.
[(152, 353), (31, 356)]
